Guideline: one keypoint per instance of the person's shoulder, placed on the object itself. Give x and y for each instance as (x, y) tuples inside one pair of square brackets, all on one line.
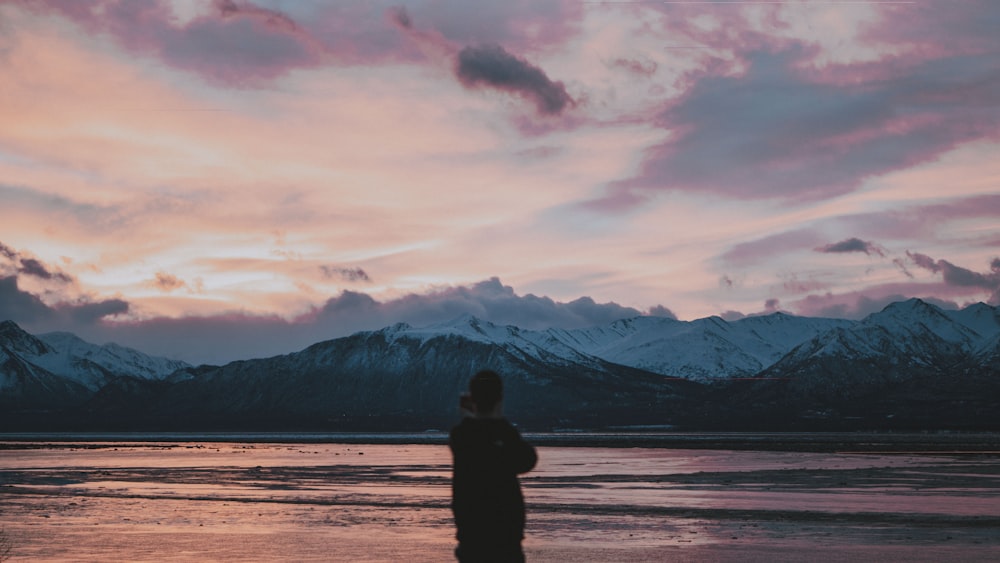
[(463, 428)]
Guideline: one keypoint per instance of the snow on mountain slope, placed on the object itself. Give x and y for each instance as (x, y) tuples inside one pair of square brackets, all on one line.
[(901, 341), (980, 317), (988, 353), (16, 340), (516, 342), (75, 354), (61, 354), (702, 350), (923, 329)]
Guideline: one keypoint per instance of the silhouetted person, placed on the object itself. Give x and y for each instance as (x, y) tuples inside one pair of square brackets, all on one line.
[(488, 453)]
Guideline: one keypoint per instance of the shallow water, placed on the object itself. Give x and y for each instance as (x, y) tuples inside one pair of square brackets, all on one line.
[(232, 501)]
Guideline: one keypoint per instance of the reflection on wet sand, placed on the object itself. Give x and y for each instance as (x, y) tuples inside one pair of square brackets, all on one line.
[(381, 502)]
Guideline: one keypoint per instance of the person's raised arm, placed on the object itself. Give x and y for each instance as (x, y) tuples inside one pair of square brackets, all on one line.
[(520, 456)]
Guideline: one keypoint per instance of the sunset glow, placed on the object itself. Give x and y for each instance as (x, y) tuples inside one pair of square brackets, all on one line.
[(223, 180)]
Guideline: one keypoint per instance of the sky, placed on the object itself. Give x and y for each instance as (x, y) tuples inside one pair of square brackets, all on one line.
[(222, 180)]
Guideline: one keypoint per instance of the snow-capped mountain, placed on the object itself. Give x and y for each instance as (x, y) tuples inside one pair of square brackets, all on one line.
[(64, 366), (94, 366), (909, 362), (905, 341), (406, 373), (703, 350)]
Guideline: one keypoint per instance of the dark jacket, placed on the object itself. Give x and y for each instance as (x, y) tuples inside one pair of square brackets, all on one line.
[(486, 499)]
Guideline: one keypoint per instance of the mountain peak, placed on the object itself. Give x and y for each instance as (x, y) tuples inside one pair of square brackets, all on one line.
[(9, 326), (909, 309), (14, 338), (911, 304)]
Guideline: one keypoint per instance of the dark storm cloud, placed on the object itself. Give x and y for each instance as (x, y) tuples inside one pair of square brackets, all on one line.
[(492, 66), (852, 245)]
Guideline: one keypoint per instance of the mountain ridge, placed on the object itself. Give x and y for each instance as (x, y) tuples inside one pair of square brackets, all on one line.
[(781, 368)]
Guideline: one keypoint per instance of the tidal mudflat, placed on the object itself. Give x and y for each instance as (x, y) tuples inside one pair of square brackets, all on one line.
[(253, 501)]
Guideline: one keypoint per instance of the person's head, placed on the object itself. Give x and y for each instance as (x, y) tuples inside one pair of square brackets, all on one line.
[(486, 390)]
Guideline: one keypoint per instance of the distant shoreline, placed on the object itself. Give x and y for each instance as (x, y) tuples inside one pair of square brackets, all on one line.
[(952, 443)]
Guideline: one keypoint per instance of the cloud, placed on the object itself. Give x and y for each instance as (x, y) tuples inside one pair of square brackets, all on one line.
[(772, 305), (242, 43), (400, 16), (962, 277), (347, 274), (489, 300), (28, 309), (492, 66), (852, 245), (859, 304), (755, 251), (65, 209), (514, 23), (167, 282), (87, 313), (811, 130), (661, 311), (232, 336), (26, 265), (21, 306), (792, 284), (236, 43), (642, 68), (901, 264)]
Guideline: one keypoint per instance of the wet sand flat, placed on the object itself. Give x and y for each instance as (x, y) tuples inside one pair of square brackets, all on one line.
[(233, 501)]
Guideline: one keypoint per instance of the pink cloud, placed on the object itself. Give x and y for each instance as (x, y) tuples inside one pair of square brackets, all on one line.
[(959, 277), (921, 220), (228, 336), (754, 251), (772, 124), (240, 43), (859, 304), (806, 140), (966, 27)]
